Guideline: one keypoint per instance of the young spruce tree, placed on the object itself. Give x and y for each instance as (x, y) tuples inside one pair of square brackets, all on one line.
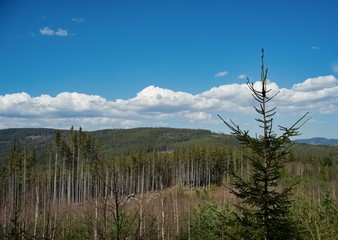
[(263, 203)]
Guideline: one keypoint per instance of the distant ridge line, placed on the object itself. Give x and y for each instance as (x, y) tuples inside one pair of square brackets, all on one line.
[(319, 141)]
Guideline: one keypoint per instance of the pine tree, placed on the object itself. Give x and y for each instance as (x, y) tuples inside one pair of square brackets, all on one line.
[(264, 205)]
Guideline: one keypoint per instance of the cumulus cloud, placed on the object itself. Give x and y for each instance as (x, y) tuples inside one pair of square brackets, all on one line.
[(198, 117), (318, 95), (221, 74), (47, 31), (313, 84), (157, 106)]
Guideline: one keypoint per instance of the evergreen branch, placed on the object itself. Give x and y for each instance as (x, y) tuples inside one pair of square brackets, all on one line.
[(294, 129), (270, 98), (233, 127)]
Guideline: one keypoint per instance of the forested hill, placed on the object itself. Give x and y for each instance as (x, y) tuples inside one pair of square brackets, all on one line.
[(36, 138), (125, 141), (159, 139), (117, 141)]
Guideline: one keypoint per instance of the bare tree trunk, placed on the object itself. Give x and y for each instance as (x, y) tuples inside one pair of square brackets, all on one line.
[(189, 221), (162, 212), (81, 181), (36, 207), (96, 212), (55, 175), (69, 192), (85, 179), (77, 172), (62, 183), (131, 188), (141, 203), (72, 170), (153, 174), (176, 210), (24, 174)]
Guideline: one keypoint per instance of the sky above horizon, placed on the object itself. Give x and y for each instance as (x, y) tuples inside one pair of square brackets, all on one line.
[(161, 63)]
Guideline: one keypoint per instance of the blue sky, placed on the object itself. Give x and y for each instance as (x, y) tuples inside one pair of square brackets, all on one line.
[(151, 63)]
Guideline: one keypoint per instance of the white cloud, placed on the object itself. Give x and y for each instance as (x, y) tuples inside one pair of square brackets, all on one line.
[(315, 48), (155, 106), (198, 117), (317, 95), (61, 32), (221, 74), (312, 84), (47, 31), (242, 76)]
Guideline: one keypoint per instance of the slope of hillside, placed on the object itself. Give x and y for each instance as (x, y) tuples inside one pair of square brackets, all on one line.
[(117, 141), (125, 141), (160, 139), (37, 138)]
